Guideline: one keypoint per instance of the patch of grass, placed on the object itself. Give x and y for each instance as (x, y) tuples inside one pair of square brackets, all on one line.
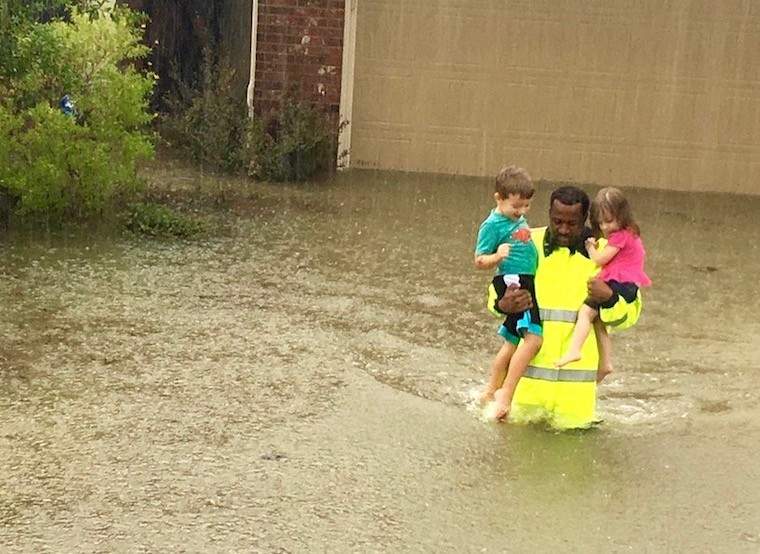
[(155, 220)]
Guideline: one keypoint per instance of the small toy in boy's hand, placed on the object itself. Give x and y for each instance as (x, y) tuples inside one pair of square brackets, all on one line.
[(523, 235)]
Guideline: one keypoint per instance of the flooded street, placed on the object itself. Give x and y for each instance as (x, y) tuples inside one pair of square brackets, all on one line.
[(301, 380)]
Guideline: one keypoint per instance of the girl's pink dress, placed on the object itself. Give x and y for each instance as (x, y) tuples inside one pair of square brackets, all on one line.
[(628, 264)]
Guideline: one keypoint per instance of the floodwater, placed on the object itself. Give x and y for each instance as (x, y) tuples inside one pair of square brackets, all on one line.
[(301, 380)]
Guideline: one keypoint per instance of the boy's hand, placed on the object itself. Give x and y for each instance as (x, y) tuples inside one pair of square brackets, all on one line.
[(503, 250)]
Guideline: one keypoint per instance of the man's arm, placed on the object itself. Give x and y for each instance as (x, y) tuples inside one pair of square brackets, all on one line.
[(598, 290)]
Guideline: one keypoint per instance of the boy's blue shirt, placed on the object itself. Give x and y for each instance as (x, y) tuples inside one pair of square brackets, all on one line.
[(497, 229)]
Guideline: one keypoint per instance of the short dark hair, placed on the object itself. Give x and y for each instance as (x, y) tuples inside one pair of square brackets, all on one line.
[(569, 196)]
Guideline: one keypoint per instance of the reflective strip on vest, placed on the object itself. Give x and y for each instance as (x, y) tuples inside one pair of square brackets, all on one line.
[(568, 316), (565, 375)]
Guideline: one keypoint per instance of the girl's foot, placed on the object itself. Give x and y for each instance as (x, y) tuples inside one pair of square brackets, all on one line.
[(501, 405), (602, 372), (567, 358)]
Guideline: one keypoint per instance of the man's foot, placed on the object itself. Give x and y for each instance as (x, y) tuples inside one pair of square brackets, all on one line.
[(602, 372), (501, 405), (567, 358)]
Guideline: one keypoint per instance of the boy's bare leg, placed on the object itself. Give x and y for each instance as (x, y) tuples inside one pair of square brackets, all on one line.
[(524, 353), (604, 345), (498, 371), (586, 314)]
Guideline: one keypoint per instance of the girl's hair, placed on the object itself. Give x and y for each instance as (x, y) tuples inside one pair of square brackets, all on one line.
[(612, 201), (514, 180)]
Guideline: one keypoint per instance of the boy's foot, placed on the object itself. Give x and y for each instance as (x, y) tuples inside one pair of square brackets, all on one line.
[(602, 372), (567, 358), (501, 405), (485, 397)]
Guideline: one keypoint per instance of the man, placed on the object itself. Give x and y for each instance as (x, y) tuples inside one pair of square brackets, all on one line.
[(565, 398)]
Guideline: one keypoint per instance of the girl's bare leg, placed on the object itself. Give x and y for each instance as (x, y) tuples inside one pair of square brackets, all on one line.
[(604, 345), (498, 371), (522, 356), (586, 314)]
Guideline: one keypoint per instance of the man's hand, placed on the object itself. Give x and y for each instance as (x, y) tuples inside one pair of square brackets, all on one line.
[(515, 300), (598, 290)]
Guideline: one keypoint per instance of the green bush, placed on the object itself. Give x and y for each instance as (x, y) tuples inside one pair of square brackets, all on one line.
[(58, 166), (210, 122), (292, 146), (207, 120), (156, 220)]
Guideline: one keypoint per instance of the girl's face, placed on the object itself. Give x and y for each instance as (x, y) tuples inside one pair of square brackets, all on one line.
[(608, 224), (513, 206)]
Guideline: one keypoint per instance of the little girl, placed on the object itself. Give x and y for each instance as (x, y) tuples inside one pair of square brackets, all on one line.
[(622, 262)]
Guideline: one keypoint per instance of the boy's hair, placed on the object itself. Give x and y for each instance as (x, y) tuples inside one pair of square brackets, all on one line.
[(612, 201), (570, 196), (514, 180)]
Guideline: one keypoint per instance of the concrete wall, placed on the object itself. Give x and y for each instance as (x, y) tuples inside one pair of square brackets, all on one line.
[(654, 93)]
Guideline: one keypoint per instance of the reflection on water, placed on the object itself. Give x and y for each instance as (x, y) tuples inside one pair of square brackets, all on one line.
[(300, 380)]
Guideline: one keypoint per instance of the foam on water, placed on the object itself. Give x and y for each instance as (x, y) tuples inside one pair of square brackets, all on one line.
[(487, 413)]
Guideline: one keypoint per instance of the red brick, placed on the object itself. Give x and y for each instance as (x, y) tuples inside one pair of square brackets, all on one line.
[(335, 41), (284, 61), (270, 37), (271, 47), (314, 3)]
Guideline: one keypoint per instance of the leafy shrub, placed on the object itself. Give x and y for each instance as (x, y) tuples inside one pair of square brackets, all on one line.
[(211, 124), (58, 166), (207, 120), (292, 146), (156, 220)]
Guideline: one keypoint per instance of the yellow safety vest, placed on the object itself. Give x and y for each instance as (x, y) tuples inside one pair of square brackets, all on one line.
[(564, 398)]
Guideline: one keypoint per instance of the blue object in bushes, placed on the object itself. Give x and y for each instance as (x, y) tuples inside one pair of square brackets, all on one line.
[(67, 105)]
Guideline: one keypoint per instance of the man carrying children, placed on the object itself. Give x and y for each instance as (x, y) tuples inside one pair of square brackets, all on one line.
[(564, 397)]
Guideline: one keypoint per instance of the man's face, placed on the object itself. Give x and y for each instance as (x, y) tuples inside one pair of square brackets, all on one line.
[(566, 222)]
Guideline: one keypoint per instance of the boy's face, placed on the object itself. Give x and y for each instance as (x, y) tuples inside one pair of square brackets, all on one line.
[(513, 206)]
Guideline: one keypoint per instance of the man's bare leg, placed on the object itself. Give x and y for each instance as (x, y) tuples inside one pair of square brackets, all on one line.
[(604, 345), (522, 356), (498, 371), (586, 314)]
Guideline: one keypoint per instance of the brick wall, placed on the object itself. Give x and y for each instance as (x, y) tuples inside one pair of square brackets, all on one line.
[(299, 48)]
